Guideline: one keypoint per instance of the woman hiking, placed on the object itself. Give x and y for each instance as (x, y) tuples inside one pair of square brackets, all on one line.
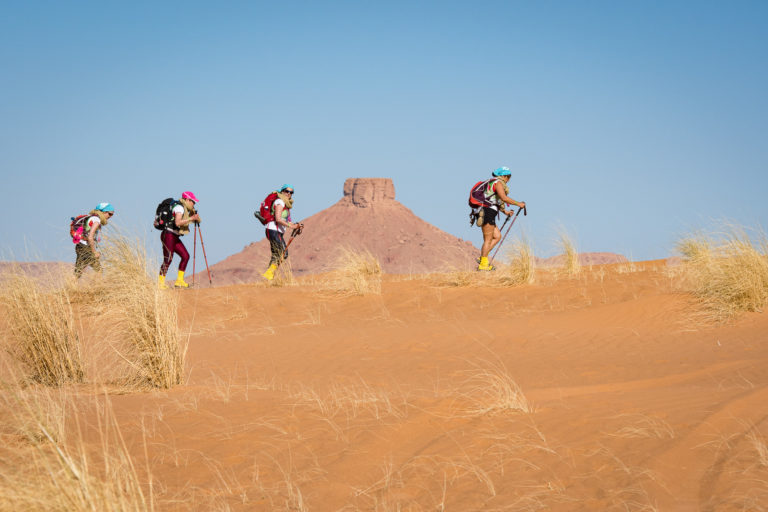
[(183, 213), (496, 196), (86, 249), (281, 219)]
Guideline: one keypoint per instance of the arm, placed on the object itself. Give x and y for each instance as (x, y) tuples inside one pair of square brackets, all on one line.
[(499, 189), (91, 239), (181, 221)]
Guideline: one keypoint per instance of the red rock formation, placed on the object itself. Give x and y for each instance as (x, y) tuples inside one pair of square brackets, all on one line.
[(366, 218)]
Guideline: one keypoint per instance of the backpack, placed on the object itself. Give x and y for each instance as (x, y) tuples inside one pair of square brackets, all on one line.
[(477, 201), (77, 228), (264, 213), (477, 197), (164, 214)]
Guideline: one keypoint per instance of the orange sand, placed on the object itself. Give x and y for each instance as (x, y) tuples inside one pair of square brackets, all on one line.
[(298, 400)]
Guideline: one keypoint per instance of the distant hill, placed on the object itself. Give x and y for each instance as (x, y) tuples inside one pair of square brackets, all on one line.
[(366, 217), (50, 272)]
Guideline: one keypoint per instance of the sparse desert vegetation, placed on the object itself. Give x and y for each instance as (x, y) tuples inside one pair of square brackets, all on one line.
[(727, 270), (550, 394), (571, 263), (41, 331), (126, 317), (356, 272)]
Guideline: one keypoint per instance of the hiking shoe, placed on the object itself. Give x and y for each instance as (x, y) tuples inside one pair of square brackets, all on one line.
[(180, 284), (270, 273), (486, 268)]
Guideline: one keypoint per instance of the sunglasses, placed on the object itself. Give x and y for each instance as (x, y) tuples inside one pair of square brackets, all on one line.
[(288, 191)]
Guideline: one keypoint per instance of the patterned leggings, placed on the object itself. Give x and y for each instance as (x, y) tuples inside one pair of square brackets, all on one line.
[(172, 244), (276, 246)]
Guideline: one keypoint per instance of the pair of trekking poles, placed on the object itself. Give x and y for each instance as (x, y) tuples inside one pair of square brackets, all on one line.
[(514, 218)]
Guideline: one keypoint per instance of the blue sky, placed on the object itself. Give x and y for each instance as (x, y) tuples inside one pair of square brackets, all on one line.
[(628, 123)]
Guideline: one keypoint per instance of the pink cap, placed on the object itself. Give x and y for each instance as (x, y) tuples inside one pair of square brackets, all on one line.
[(189, 195)]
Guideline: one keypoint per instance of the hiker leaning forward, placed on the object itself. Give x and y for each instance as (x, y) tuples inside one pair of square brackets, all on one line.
[(86, 249), (281, 214), (497, 195), (183, 214)]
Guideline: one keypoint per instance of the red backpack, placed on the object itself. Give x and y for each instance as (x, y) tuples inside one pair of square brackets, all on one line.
[(477, 194), (77, 228), (264, 213)]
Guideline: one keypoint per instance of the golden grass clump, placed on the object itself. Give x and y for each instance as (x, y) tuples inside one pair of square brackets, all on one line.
[(42, 329), (491, 389), (46, 465), (357, 272), (572, 266), (284, 275), (521, 268), (142, 317), (727, 272)]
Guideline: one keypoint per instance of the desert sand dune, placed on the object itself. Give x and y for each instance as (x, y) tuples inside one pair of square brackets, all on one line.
[(600, 392)]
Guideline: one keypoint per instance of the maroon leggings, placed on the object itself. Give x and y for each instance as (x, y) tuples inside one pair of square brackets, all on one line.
[(172, 244)]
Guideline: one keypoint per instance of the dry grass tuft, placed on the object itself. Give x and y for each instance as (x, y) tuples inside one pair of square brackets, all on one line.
[(357, 273), (46, 465), (42, 328), (491, 389), (572, 266), (284, 275), (142, 317), (643, 426), (727, 272), (522, 265)]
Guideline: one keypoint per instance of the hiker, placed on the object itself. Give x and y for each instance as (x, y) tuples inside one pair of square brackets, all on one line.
[(496, 195), (182, 212), (280, 219), (87, 237)]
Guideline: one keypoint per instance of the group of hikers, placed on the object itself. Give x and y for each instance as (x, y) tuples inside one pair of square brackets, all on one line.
[(173, 217)]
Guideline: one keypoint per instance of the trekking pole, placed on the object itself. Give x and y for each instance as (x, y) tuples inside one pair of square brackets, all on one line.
[(525, 212), (202, 246), (294, 234), (194, 254)]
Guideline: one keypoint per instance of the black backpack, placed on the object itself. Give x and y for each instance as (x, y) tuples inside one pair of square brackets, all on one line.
[(164, 214)]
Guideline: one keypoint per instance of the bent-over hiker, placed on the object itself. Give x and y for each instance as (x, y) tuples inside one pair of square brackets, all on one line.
[(182, 214), (280, 220), (496, 195), (85, 233)]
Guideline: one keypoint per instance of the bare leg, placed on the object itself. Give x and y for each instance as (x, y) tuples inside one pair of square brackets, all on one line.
[(491, 237)]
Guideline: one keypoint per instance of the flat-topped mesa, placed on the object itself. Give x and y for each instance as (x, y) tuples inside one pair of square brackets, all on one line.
[(364, 192)]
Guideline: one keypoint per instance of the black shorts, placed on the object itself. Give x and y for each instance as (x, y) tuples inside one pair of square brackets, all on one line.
[(489, 216)]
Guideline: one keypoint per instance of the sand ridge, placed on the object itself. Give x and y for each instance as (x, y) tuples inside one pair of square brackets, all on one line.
[(300, 400)]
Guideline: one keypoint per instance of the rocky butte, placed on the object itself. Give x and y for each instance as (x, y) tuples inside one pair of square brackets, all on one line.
[(367, 217)]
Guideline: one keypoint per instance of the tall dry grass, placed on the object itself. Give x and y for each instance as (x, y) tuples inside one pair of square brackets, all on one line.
[(728, 271), (142, 318), (490, 388), (356, 272), (571, 266), (45, 464), (43, 334), (521, 267)]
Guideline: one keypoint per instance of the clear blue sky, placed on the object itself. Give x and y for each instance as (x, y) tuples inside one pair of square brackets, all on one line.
[(627, 122)]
